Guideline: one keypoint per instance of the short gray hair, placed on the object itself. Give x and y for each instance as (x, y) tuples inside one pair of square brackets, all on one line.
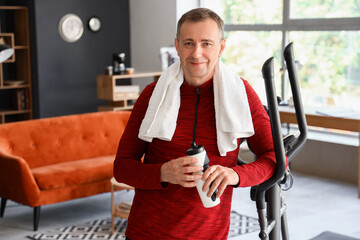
[(198, 15)]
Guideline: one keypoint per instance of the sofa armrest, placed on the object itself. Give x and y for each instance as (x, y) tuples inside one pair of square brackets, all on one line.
[(16, 180)]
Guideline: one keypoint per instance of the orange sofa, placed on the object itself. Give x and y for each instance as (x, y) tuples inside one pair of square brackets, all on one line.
[(56, 159)]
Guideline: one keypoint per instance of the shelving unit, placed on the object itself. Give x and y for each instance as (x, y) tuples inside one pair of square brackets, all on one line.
[(15, 73), (118, 97)]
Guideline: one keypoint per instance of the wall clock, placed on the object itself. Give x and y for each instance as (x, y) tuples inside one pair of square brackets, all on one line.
[(94, 24), (71, 28)]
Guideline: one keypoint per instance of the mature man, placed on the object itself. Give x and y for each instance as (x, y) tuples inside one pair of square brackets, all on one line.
[(166, 203)]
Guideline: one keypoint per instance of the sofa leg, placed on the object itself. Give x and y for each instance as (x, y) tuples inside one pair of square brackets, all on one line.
[(3, 205), (36, 217)]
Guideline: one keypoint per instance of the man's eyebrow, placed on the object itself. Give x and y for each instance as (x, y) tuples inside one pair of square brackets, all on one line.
[(207, 40), (202, 40)]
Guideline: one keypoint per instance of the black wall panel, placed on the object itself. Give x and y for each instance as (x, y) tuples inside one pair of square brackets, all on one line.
[(64, 74)]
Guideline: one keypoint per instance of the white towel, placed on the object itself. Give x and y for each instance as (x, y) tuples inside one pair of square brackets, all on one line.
[(232, 111)]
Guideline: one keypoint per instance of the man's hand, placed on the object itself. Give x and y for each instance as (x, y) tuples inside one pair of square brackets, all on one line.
[(221, 178), (181, 171)]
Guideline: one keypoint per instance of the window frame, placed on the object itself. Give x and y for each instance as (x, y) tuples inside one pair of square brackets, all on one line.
[(287, 25)]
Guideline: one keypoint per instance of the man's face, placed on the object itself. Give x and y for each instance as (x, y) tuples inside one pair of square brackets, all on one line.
[(199, 48)]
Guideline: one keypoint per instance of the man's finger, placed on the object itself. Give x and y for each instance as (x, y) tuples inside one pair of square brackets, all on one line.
[(191, 177), (188, 184), (193, 169), (213, 185), (209, 176), (186, 161)]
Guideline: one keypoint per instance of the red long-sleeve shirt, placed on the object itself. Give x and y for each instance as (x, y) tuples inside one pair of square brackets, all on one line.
[(175, 212)]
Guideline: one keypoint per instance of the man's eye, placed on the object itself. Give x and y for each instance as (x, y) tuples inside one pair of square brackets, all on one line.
[(207, 44), (188, 43)]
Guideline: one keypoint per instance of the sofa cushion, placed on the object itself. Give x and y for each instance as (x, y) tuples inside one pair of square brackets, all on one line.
[(47, 141), (74, 173)]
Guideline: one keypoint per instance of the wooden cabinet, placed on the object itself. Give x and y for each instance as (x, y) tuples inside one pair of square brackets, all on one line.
[(15, 73), (120, 97)]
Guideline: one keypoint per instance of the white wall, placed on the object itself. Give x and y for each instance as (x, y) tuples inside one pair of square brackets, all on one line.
[(182, 6), (152, 26)]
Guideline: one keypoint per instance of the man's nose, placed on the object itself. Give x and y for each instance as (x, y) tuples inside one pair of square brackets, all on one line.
[(197, 51)]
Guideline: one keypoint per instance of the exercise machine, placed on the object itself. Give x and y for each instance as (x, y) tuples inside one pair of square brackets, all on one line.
[(270, 202), (268, 195)]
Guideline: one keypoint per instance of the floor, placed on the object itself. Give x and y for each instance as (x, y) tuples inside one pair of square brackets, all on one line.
[(314, 205)]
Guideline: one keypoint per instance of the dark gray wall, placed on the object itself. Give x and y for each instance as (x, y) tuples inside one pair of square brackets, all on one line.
[(64, 74)]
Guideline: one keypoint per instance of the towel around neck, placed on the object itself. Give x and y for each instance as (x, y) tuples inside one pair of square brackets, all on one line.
[(232, 111)]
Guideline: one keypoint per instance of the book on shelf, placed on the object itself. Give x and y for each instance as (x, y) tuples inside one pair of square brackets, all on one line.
[(21, 99), (27, 99)]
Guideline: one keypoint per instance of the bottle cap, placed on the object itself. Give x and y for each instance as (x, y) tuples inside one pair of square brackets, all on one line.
[(195, 149)]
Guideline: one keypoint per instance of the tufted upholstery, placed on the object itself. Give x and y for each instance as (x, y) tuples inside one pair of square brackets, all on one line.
[(51, 160)]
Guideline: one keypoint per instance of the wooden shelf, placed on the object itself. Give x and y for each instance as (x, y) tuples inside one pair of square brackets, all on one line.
[(15, 73), (15, 86), (135, 75), (9, 115), (21, 47), (8, 38), (118, 209), (111, 108), (13, 112), (13, 8), (119, 100)]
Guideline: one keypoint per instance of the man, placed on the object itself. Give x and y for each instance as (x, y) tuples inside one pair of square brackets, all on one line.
[(166, 204)]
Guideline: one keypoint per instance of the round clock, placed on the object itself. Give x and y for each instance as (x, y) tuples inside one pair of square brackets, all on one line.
[(71, 27), (94, 24)]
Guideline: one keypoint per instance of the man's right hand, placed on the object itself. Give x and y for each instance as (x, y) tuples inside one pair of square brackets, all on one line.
[(181, 171)]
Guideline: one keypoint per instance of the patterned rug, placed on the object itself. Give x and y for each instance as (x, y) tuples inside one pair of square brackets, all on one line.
[(101, 229)]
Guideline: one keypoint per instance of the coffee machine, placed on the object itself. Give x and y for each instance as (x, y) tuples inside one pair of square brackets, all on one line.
[(119, 64)]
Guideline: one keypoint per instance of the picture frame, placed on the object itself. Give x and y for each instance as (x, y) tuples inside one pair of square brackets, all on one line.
[(168, 56)]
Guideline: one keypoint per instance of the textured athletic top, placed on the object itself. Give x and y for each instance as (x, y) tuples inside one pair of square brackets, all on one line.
[(169, 211)]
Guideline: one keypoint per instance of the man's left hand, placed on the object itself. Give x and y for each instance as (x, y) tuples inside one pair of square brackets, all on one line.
[(221, 178)]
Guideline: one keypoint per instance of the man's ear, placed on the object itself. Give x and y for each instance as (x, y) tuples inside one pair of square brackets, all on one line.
[(222, 47), (176, 44)]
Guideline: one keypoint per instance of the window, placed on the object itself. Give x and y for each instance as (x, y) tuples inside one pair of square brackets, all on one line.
[(249, 12), (300, 9), (326, 36), (246, 51), (329, 66)]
